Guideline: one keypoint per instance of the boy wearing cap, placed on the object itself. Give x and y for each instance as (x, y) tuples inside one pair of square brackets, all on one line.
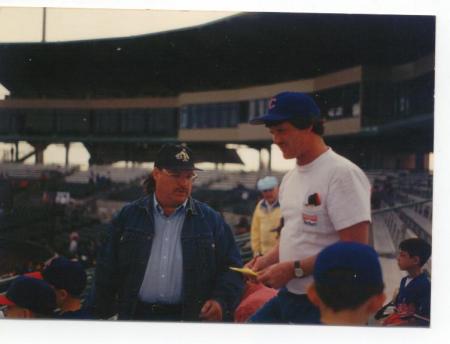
[(167, 256), (324, 199), (348, 284), (266, 217), (28, 297), (69, 281)]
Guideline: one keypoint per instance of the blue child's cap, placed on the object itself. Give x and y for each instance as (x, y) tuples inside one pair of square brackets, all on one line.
[(63, 273), (30, 293), (267, 183), (359, 259), (289, 105)]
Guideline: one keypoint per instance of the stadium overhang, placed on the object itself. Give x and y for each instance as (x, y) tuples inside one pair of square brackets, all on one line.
[(239, 51)]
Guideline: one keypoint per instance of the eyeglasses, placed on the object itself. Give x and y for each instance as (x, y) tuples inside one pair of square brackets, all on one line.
[(180, 175)]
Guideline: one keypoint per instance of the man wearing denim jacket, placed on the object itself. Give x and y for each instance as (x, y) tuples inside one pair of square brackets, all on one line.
[(167, 256)]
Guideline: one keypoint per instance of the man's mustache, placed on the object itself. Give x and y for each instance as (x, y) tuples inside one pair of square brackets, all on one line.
[(181, 190)]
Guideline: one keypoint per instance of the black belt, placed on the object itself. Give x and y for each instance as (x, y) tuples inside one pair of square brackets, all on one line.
[(155, 309)]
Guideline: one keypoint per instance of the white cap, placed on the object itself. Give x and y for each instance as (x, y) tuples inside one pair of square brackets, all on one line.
[(267, 183)]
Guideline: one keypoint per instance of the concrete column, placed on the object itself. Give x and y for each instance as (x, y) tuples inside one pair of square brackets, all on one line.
[(17, 151), (39, 149), (67, 146), (261, 165)]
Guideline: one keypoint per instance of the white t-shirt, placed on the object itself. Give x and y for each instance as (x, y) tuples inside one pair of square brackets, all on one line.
[(310, 224)]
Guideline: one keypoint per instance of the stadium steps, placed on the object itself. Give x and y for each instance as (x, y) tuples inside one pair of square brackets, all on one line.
[(423, 222), (382, 239)]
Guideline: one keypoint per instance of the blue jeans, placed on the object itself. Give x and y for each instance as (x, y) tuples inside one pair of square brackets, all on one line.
[(287, 308)]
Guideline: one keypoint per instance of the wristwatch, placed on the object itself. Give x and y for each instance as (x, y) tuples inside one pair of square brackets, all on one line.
[(298, 271)]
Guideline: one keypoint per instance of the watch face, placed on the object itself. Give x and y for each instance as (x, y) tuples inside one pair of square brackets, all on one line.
[(298, 272)]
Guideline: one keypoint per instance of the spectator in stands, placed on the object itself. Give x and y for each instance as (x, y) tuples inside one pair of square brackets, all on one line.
[(69, 281), (348, 284), (375, 198), (412, 303), (388, 191), (28, 297), (266, 217), (324, 199), (74, 238), (242, 226), (167, 256), (91, 177)]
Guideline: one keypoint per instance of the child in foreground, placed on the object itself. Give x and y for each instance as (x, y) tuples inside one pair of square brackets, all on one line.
[(348, 284)]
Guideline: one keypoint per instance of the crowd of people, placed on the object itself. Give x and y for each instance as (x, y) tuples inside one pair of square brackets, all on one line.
[(167, 256)]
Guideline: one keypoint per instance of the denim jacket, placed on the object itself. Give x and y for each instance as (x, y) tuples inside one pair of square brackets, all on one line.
[(208, 248)]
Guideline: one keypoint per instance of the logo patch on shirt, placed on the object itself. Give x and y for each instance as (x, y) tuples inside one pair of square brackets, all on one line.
[(310, 219), (314, 200)]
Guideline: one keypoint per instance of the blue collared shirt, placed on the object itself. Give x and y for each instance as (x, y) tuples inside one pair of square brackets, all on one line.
[(163, 279)]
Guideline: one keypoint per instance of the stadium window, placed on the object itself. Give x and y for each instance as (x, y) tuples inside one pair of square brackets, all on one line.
[(331, 112), (356, 110), (243, 112), (7, 116), (261, 107), (223, 118), (217, 116), (72, 121), (402, 104), (209, 110), (228, 114), (183, 118), (190, 116), (234, 115), (202, 116), (251, 109), (39, 121), (193, 117)]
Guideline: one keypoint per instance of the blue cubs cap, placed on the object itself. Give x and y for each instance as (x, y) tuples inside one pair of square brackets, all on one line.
[(267, 183), (360, 260), (63, 273), (289, 105), (30, 293), (175, 157)]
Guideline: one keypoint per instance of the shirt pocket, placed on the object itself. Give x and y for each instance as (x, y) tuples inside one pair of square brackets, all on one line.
[(314, 218), (130, 242), (206, 250)]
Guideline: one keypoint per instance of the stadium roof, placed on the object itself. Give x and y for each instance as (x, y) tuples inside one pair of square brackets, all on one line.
[(240, 51)]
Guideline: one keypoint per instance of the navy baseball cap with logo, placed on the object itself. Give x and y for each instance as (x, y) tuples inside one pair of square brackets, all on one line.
[(361, 261), (30, 293), (63, 273), (175, 157), (286, 106)]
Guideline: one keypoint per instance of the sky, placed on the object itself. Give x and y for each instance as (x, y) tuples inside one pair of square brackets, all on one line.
[(63, 24), (180, 333)]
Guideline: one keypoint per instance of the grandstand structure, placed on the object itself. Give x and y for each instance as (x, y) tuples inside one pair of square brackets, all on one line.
[(123, 98), (372, 77)]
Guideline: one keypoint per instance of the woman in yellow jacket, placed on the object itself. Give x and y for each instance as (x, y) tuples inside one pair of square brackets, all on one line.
[(266, 217)]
